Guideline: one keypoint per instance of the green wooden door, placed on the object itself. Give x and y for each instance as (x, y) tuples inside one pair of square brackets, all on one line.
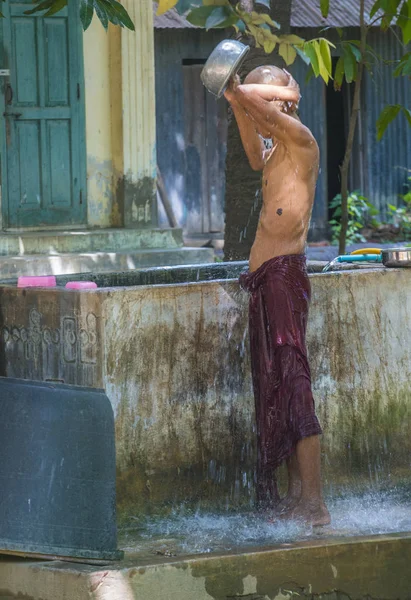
[(43, 157)]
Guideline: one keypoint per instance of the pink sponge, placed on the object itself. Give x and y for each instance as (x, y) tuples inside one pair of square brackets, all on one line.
[(33, 281), (81, 285)]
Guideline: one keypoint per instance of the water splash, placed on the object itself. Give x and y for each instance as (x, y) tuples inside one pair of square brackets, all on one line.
[(185, 532)]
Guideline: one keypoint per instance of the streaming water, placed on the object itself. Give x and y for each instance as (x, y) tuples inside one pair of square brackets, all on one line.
[(256, 206), (185, 532)]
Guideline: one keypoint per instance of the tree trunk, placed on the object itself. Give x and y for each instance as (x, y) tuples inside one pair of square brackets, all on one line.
[(351, 132), (243, 185)]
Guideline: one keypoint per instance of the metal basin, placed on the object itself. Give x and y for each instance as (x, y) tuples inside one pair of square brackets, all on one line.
[(396, 257), (224, 62)]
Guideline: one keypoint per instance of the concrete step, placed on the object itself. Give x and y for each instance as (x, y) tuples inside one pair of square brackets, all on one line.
[(327, 569), (97, 240), (100, 262)]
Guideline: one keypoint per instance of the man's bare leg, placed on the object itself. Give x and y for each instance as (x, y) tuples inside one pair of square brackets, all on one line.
[(310, 507), (293, 495)]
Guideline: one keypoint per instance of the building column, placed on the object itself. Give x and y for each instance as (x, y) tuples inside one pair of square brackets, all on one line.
[(139, 118)]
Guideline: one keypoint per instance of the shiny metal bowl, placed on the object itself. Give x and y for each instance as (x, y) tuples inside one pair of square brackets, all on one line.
[(224, 62), (396, 257)]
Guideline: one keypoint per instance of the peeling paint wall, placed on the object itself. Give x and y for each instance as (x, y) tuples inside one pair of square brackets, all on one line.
[(174, 360)]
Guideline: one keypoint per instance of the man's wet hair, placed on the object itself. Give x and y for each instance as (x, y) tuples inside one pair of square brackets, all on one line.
[(269, 74)]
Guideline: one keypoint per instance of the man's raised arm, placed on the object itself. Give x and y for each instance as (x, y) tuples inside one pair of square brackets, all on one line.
[(259, 102), (252, 143)]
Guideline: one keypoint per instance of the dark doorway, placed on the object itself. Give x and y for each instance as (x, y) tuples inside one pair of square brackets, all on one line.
[(336, 136), (205, 143)]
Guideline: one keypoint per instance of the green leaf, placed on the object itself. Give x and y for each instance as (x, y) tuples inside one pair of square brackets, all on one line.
[(292, 39), (376, 7), (390, 6), (184, 6), (339, 73), (287, 52), (269, 46), (101, 12), (198, 16), (309, 75), (387, 115), (350, 64), (111, 14), (240, 25), (45, 5), (309, 51), (217, 18), (325, 7), (326, 55), (302, 55), (407, 114), (404, 66), (56, 7), (356, 51), (121, 14), (321, 65), (404, 21), (86, 13)]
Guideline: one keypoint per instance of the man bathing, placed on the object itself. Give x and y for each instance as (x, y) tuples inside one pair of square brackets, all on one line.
[(287, 427)]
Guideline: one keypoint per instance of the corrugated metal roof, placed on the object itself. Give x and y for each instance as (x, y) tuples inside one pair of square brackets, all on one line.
[(343, 13), (304, 13)]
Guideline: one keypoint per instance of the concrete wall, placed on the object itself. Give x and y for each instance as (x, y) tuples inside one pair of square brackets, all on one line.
[(174, 361)]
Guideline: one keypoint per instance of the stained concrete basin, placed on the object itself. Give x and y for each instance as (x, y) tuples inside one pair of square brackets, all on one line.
[(367, 568), (174, 361)]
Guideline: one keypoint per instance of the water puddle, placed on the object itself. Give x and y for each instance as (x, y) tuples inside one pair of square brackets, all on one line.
[(191, 533)]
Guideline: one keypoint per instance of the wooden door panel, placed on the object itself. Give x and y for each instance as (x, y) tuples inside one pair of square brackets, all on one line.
[(25, 168), (59, 159), (56, 59), (44, 146), (26, 85)]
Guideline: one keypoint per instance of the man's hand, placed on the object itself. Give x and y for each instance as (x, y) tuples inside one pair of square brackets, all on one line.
[(293, 85), (271, 92), (231, 91)]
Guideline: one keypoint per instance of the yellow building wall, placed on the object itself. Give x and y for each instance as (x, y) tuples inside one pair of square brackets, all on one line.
[(103, 115), (121, 157)]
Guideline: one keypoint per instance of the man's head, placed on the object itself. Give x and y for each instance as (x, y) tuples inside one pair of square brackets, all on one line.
[(271, 75)]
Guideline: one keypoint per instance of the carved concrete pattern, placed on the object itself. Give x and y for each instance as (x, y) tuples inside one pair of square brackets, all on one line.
[(88, 340), (69, 340), (74, 342)]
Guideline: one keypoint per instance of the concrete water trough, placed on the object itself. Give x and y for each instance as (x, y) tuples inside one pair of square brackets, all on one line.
[(170, 348), (173, 359)]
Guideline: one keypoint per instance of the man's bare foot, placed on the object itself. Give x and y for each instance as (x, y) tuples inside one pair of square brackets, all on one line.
[(283, 507), (288, 503), (312, 513)]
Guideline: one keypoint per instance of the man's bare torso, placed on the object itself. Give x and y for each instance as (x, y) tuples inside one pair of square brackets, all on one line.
[(290, 170), (289, 179)]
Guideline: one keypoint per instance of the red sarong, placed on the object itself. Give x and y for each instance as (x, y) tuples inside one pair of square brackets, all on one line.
[(285, 413)]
